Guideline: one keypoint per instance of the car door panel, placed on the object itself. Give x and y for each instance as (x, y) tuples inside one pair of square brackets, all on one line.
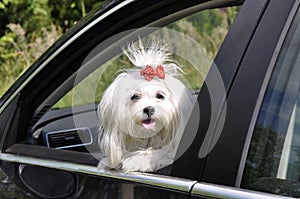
[(248, 83)]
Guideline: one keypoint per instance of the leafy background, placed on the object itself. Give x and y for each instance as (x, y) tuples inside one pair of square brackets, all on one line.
[(29, 27)]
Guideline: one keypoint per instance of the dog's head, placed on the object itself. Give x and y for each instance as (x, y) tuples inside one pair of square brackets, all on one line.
[(142, 109)]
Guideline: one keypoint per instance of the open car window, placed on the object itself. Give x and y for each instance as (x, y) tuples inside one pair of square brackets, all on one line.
[(193, 42)]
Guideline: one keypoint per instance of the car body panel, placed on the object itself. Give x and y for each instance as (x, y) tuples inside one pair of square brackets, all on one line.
[(260, 53)]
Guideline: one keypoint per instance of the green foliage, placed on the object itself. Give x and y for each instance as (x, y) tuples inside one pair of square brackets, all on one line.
[(29, 27), (66, 13), (206, 21), (32, 15), (208, 27), (18, 52)]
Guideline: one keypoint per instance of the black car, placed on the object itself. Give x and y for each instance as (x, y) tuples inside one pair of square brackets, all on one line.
[(242, 139)]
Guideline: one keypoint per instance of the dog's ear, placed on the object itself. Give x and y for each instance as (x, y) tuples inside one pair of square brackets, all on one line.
[(105, 107), (110, 141), (108, 106), (111, 146)]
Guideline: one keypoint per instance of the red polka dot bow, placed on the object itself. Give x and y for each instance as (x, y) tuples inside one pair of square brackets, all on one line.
[(149, 73)]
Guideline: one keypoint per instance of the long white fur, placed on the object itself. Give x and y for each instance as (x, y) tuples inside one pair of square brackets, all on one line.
[(154, 55), (126, 144)]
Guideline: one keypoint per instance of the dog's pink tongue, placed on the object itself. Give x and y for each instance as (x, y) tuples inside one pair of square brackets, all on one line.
[(148, 124)]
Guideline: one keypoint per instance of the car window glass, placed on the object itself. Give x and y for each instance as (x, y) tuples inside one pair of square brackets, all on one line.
[(273, 161), (207, 28)]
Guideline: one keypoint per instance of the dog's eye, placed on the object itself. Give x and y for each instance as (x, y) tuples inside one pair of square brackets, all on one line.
[(135, 97), (160, 96)]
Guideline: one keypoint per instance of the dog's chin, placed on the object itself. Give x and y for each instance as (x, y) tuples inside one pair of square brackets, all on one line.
[(149, 128)]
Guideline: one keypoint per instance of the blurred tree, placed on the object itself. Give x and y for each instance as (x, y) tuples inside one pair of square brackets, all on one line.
[(29, 27), (32, 15), (67, 13), (207, 21)]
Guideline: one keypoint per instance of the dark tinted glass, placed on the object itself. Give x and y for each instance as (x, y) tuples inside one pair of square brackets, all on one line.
[(273, 162)]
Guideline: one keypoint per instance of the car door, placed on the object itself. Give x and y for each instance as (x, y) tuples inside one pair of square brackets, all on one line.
[(47, 145), (257, 154)]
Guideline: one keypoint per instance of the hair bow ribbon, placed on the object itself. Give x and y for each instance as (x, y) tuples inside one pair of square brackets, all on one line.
[(149, 73)]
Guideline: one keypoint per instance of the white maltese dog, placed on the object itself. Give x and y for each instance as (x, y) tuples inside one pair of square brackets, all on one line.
[(143, 112)]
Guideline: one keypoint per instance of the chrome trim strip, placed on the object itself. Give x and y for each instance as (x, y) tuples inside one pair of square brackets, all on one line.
[(100, 18), (262, 91), (167, 182), (218, 191)]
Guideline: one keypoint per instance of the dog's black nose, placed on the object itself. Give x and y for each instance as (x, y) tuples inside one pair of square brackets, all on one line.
[(149, 110)]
